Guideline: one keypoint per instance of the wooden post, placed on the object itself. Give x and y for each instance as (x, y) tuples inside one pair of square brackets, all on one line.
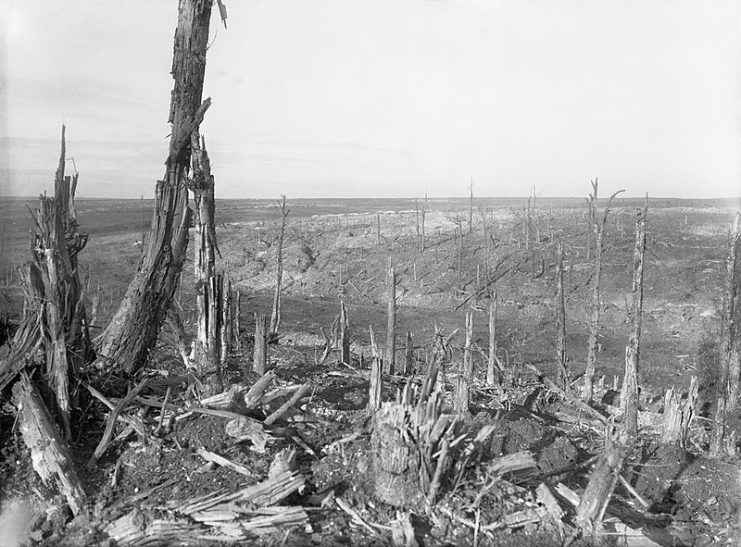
[(378, 228), (275, 315), (561, 357), (133, 331), (376, 377), (391, 323), (629, 396), (260, 356), (344, 334), (492, 377)]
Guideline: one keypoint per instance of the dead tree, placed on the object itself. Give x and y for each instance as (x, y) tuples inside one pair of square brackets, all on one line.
[(492, 378), (376, 376), (461, 397), (133, 331), (54, 314), (727, 387), (390, 361), (561, 356), (731, 329), (275, 315), (209, 287), (409, 360), (597, 224), (629, 396), (344, 334), (260, 353)]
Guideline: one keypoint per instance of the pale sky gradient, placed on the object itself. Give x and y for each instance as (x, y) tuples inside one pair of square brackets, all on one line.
[(354, 98)]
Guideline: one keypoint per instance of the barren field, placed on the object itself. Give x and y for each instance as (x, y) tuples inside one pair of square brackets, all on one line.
[(339, 250)]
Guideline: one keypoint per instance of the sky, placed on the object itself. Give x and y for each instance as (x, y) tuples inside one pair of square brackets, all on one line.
[(383, 98)]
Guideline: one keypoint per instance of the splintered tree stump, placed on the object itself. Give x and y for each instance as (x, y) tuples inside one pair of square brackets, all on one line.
[(410, 444), (678, 414), (397, 458), (49, 453)]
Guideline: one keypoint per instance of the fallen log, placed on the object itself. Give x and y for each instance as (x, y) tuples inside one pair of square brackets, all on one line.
[(50, 455)]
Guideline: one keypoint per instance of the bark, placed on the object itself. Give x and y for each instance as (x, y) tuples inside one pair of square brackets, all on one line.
[(629, 397), (133, 331)]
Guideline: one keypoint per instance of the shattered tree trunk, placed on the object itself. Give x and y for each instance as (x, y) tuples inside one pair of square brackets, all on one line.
[(629, 396), (275, 315), (133, 331), (678, 414), (727, 390), (601, 484), (376, 376), (561, 324), (209, 286), (49, 453), (54, 313)]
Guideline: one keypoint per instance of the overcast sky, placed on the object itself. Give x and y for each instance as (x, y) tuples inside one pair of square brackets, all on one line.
[(353, 98)]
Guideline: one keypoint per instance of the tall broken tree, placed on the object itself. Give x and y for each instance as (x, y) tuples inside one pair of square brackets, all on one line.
[(212, 298), (54, 313), (597, 225), (275, 315), (629, 396), (133, 331), (727, 386)]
